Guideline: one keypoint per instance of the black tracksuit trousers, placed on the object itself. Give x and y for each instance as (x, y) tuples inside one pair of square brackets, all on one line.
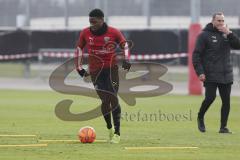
[(210, 95), (106, 83)]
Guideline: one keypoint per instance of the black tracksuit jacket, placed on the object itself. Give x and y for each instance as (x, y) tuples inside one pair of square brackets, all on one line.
[(211, 55)]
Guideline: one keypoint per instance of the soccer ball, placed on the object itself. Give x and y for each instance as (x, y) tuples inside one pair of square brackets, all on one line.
[(87, 134)]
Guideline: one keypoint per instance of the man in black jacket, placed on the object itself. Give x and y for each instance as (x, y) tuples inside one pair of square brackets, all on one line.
[(211, 61)]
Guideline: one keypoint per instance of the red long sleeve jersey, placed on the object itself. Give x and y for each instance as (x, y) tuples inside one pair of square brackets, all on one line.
[(99, 55)]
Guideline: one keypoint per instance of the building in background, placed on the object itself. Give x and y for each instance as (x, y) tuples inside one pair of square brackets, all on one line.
[(125, 14)]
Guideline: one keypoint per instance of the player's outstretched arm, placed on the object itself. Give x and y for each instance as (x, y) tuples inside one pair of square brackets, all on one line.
[(78, 63)]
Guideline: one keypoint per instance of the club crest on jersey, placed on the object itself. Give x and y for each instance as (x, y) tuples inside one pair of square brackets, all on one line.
[(106, 39), (91, 41)]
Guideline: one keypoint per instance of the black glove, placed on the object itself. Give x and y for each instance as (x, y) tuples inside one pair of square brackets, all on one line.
[(126, 65), (82, 73)]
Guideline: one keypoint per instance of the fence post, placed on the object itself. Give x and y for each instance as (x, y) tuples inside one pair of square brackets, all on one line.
[(27, 69)]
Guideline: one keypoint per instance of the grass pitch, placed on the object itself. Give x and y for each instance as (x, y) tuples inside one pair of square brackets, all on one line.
[(165, 121)]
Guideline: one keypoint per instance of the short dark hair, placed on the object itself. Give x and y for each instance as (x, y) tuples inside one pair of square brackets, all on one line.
[(96, 13), (217, 14)]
